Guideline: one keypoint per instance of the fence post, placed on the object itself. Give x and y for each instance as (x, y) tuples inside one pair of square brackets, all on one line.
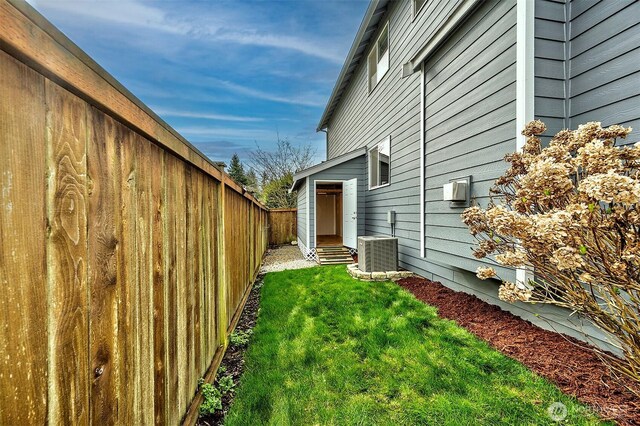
[(222, 276)]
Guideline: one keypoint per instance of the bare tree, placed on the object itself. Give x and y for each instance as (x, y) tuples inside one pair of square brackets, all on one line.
[(286, 159)]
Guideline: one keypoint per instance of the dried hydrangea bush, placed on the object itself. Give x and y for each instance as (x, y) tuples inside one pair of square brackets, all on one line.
[(569, 214)]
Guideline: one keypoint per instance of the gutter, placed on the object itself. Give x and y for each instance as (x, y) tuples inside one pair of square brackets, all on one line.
[(347, 63)]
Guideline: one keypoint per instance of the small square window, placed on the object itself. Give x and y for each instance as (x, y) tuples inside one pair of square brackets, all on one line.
[(378, 61), (380, 164)]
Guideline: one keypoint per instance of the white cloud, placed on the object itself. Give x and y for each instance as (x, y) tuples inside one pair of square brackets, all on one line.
[(218, 28), (225, 132), (283, 42), (204, 115), (123, 12), (308, 99)]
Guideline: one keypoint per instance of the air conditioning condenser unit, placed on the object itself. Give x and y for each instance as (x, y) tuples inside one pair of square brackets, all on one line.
[(377, 253)]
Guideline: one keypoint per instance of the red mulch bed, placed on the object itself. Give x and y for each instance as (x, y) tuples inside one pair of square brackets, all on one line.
[(561, 359)]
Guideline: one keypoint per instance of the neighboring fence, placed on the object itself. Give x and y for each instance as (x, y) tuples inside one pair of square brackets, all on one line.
[(283, 226), (125, 255)]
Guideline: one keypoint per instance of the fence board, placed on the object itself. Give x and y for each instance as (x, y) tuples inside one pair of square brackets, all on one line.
[(144, 243), (283, 226), (67, 257), (160, 334), (125, 257), (23, 301), (103, 173), (128, 325)]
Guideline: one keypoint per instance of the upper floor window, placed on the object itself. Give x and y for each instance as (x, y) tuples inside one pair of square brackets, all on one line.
[(417, 6), (380, 164), (379, 58)]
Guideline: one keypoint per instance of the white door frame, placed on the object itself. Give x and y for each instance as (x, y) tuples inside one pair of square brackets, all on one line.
[(315, 208)]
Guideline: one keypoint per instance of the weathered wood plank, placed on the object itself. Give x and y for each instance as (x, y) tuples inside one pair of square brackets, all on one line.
[(128, 325), (160, 288), (23, 301), (144, 249), (173, 168), (181, 208), (190, 267), (104, 177), (68, 400)]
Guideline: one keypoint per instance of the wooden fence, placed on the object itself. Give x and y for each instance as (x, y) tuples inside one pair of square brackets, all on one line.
[(283, 226), (125, 255)]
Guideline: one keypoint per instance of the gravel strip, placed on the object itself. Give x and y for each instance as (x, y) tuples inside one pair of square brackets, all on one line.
[(283, 258)]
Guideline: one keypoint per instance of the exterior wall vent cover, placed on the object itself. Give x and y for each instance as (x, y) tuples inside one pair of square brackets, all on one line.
[(377, 254)]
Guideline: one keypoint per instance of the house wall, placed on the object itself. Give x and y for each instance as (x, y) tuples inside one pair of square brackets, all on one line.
[(466, 136), (354, 168), (302, 213), (470, 115), (550, 84), (587, 63), (604, 63)]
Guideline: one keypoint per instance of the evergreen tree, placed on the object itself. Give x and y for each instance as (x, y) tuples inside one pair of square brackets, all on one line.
[(252, 182), (236, 170)]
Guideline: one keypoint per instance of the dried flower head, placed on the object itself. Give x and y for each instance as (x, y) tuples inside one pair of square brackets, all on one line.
[(611, 187), (485, 272), (533, 128), (515, 258), (510, 292), (598, 157), (613, 132), (567, 258)]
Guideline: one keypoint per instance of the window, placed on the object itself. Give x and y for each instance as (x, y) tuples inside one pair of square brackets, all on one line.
[(417, 6), (379, 164), (379, 58)]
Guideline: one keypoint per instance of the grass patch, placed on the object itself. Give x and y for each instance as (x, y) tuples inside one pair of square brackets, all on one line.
[(328, 349)]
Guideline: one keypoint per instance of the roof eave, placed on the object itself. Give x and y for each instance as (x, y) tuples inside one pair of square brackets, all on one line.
[(349, 61)]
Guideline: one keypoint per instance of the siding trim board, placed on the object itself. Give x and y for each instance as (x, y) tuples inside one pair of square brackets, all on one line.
[(525, 80), (306, 188), (422, 161)]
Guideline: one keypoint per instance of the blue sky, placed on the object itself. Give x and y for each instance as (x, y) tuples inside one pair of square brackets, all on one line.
[(225, 74)]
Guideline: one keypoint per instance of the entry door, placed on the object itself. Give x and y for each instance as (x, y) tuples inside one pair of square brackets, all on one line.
[(350, 213)]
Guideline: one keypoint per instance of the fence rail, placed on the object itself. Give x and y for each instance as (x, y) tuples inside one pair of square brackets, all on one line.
[(283, 226), (125, 255)]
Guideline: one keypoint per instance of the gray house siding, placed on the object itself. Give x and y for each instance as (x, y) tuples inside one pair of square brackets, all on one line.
[(588, 63), (469, 127), (302, 213), (351, 169), (550, 79), (363, 118), (604, 63), (470, 113)]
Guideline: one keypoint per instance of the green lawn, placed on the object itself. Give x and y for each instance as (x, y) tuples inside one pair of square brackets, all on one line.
[(328, 349)]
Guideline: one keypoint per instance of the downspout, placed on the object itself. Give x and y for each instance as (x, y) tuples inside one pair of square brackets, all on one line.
[(326, 142)]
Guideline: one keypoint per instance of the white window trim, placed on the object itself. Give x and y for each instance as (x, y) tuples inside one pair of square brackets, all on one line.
[(388, 140), (375, 49)]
